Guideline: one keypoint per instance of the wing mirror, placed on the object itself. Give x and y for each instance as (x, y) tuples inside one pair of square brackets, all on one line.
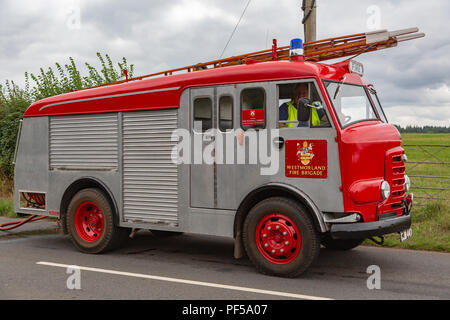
[(304, 108), (316, 105)]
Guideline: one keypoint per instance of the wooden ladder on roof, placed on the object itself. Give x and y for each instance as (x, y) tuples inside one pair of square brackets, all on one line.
[(319, 50)]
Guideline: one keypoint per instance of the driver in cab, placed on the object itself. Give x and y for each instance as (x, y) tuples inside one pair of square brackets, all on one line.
[(288, 110)]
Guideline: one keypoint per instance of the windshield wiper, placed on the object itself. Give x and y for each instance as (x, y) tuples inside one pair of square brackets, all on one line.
[(338, 88)]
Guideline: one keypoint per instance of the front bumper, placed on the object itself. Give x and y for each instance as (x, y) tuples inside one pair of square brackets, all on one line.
[(364, 230)]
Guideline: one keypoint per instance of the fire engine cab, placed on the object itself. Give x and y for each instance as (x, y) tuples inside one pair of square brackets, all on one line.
[(107, 160)]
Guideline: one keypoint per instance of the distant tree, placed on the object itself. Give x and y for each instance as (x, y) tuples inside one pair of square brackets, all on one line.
[(423, 129)]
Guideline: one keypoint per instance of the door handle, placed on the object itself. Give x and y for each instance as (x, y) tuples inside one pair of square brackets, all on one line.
[(278, 142)]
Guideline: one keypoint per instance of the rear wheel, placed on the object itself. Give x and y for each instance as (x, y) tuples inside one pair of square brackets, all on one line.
[(90, 222), (340, 244), (279, 237)]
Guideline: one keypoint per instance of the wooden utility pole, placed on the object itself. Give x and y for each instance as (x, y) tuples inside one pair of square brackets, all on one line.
[(309, 19)]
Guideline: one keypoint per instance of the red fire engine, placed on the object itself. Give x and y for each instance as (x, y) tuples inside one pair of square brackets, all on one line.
[(105, 160)]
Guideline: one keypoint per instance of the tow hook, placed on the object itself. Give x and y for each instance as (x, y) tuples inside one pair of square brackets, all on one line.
[(379, 242)]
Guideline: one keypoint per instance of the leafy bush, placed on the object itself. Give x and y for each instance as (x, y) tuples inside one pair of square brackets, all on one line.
[(47, 83), (13, 104)]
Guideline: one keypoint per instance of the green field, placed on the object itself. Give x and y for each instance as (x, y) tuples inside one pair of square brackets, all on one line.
[(428, 154)]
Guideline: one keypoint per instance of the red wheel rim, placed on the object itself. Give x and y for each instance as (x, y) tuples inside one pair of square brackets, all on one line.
[(278, 238), (89, 221)]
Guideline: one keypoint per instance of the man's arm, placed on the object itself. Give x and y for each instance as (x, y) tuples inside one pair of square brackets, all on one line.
[(323, 117), (283, 114)]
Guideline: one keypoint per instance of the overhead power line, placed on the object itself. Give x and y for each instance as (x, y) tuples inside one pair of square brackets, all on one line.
[(237, 24)]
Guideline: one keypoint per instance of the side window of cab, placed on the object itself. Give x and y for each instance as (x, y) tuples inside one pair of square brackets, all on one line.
[(253, 108), (202, 114), (300, 105)]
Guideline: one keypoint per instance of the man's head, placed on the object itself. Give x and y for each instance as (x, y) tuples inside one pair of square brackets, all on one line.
[(300, 91)]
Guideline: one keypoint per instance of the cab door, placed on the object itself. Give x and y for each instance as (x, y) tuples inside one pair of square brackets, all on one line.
[(309, 156)]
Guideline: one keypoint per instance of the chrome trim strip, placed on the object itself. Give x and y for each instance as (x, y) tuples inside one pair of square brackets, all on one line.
[(352, 218), (110, 96)]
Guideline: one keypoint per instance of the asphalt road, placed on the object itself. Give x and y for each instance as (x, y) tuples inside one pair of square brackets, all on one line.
[(34, 266)]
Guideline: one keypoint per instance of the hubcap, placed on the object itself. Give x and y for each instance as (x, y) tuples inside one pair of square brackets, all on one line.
[(89, 221), (278, 238)]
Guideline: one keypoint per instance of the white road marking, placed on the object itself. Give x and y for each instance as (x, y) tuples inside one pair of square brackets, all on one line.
[(191, 282)]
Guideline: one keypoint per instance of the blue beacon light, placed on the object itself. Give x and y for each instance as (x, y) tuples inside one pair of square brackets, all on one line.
[(296, 51)]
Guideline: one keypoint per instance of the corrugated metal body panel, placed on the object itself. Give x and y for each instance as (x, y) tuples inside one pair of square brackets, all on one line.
[(84, 142), (150, 178)]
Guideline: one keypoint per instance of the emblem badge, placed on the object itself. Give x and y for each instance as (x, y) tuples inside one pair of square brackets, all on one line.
[(305, 152)]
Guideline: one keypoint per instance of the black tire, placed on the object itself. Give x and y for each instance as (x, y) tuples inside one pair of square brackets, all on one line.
[(340, 244), (111, 236), (308, 249), (165, 234)]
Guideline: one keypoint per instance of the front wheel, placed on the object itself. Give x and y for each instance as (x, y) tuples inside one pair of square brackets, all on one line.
[(90, 222), (279, 237)]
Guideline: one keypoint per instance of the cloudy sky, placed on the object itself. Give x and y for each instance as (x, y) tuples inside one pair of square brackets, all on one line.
[(413, 79)]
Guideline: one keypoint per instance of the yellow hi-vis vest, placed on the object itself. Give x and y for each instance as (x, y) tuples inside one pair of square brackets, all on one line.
[(292, 115)]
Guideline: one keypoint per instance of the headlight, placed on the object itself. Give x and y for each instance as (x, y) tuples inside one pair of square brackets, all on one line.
[(404, 158), (407, 183), (385, 190)]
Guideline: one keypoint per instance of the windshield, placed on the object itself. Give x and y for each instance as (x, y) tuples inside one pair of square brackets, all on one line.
[(350, 102)]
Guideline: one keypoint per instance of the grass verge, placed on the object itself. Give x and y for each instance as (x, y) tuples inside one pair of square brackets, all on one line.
[(7, 208), (431, 229)]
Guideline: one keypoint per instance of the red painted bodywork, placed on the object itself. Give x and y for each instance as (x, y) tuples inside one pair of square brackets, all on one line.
[(363, 147), (366, 150)]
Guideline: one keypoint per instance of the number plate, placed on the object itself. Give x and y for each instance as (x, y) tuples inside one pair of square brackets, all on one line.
[(405, 234)]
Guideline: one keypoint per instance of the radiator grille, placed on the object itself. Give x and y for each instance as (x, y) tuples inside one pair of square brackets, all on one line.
[(84, 142), (150, 178), (395, 175)]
